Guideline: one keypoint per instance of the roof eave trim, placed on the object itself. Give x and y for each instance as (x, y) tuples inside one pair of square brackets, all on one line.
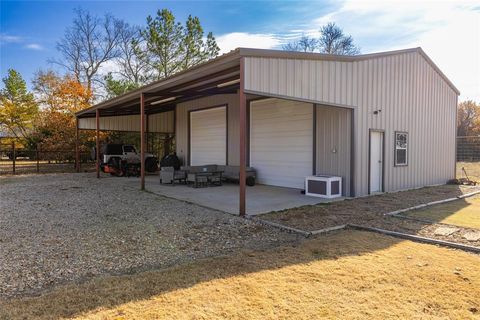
[(135, 94), (438, 70)]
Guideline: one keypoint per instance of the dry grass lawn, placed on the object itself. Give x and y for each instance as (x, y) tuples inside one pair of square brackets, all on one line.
[(464, 213), (472, 168), (348, 274)]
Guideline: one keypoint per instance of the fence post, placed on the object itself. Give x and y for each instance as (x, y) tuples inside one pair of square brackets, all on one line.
[(38, 160), (77, 147), (14, 156)]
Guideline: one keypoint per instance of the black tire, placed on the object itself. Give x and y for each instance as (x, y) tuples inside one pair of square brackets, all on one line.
[(250, 181), (151, 164)]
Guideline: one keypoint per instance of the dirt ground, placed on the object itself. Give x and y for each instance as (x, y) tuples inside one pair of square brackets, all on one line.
[(369, 211), (345, 274)]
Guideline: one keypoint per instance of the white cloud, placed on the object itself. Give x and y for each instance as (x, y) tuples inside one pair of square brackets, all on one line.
[(6, 38), (231, 41), (34, 46), (109, 66), (449, 32), (19, 41)]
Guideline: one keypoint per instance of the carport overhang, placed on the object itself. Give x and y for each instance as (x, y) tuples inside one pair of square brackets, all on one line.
[(228, 73), (218, 76)]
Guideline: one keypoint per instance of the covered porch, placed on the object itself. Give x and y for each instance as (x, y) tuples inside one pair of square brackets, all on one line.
[(219, 114), (260, 198)]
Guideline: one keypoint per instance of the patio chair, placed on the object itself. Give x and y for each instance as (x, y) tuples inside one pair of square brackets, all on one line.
[(168, 175)]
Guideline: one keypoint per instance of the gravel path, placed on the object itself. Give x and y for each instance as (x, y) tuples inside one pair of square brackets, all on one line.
[(70, 227)]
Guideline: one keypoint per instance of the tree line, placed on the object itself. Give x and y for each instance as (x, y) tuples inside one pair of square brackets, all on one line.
[(101, 57), (137, 55)]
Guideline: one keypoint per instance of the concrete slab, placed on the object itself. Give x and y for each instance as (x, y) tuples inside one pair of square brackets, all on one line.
[(472, 236), (260, 198), (445, 231)]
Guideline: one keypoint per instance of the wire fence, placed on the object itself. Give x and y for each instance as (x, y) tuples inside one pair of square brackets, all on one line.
[(468, 149), (18, 160), (14, 160)]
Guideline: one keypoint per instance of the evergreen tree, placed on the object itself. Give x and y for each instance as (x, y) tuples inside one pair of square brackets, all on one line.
[(18, 108)]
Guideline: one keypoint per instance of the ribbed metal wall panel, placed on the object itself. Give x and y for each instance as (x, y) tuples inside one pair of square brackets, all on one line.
[(162, 122), (410, 93), (333, 142), (159, 123), (181, 135)]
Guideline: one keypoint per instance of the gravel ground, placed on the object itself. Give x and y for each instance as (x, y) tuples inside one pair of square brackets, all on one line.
[(369, 211), (71, 227)]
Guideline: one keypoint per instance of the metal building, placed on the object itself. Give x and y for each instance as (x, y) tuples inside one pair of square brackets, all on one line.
[(383, 122)]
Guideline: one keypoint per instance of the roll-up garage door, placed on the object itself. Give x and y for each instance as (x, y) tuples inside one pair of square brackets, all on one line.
[(281, 141), (208, 136)]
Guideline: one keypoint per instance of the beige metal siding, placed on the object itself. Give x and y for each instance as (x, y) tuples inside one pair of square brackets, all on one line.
[(334, 143), (410, 93), (181, 135), (160, 122)]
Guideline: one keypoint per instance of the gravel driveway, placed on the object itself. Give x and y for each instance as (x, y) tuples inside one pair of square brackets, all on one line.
[(69, 227)]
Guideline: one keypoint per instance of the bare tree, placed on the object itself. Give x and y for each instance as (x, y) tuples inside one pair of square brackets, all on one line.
[(88, 44), (468, 118), (130, 68), (334, 41), (304, 44)]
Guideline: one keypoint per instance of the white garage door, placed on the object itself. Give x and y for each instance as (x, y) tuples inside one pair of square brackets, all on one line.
[(208, 136), (281, 142)]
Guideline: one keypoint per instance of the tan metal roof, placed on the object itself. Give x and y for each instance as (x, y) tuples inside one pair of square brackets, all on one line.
[(206, 76)]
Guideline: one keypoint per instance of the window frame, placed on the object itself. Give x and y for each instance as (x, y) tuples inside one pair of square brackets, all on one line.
[(395, 148)]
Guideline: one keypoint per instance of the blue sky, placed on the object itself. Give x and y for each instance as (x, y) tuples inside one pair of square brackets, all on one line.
[(449, 31)]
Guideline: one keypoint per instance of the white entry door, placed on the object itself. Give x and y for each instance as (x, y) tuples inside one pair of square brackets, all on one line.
[(208, 136), (281, 142), (376, 161)]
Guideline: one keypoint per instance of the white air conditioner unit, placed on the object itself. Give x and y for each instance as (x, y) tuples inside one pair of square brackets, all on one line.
[(323, 186)]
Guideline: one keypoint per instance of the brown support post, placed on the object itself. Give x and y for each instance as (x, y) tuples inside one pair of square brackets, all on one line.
[(77, 147), (148, 142), (243, 138), (97, 132), (14, 156), (142, 141)]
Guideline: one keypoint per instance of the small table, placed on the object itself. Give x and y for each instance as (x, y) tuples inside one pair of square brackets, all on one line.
[(202, 179), (215, 178)]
